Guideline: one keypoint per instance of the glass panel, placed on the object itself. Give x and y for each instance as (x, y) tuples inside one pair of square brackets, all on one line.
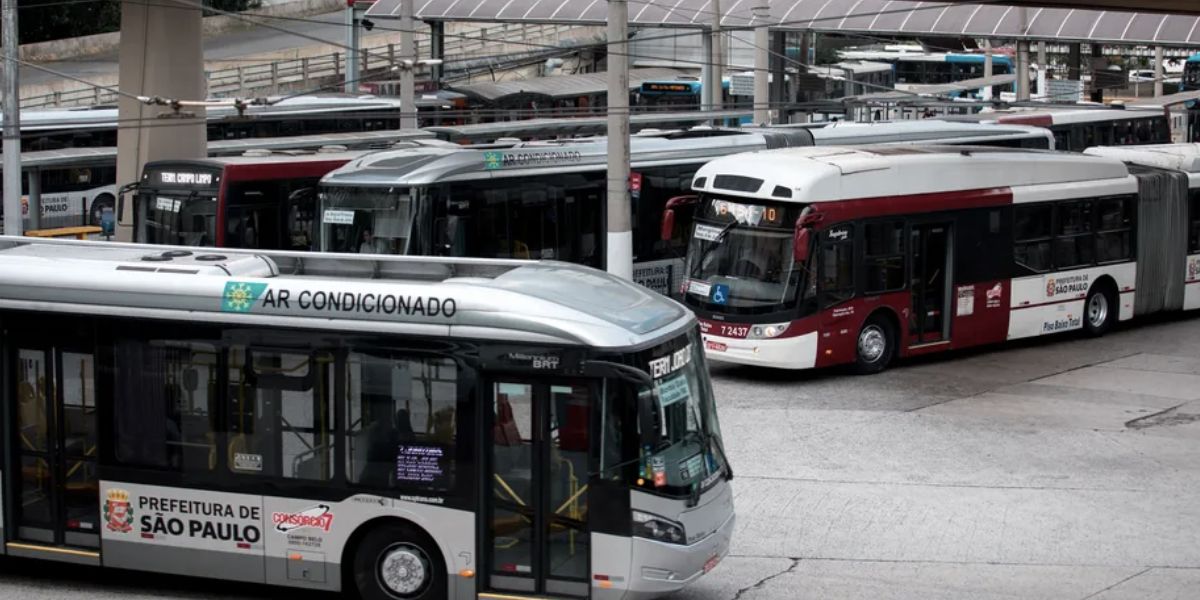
[(307, 426), (568, 550), (165, 416), (36, 484), (1031, 222), (837, 272), (79, 405), (1072, 251), (512, 479), (81, 496), (1034, 256), (31, 400), (1112, 246), (280, 414), (402, 421)]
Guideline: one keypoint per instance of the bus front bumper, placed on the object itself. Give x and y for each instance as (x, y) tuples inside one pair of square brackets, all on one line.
[(794, 352), (668, 568)]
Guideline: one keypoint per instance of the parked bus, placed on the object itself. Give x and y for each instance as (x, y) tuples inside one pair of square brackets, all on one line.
[(402, 428), (78, 184), (812, 257), (929, 131), (77, 194), (915, 69), (1191, 74), (92, 126), (1078, 129), (541, 200), (261, 200)]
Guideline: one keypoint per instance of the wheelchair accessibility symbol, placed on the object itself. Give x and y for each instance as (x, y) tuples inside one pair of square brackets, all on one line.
[(720, 293)]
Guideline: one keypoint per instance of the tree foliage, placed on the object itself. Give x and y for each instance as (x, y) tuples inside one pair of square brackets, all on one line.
[(42, 20)]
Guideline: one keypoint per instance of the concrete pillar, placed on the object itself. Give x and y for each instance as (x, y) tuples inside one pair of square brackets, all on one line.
[(717, 57), (34, 179), (408, 56), (1074, 60), (1042, 92), (781, 95), (437, 50), (706, 71), (160, 54), (1158, 71), (1022, 71), (762, 88), (350, 85), (988, 91), (619, 239)]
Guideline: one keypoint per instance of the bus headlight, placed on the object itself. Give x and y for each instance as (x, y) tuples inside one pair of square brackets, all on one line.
[(659, 529), (765, 332)]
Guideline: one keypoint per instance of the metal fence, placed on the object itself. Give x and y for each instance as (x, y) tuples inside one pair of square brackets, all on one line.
[(311, 72)]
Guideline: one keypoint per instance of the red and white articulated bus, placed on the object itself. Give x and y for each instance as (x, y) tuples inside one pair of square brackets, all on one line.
[(811, 257)]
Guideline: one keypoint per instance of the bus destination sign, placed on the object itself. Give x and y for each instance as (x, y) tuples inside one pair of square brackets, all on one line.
[(185, 178), (675, 88)]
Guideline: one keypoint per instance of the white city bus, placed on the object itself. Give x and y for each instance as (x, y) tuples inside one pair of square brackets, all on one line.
[(811, 257), (408, 428)]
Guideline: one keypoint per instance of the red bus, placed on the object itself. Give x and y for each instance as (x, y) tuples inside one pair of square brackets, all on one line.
[(264, 201), (811, 257)]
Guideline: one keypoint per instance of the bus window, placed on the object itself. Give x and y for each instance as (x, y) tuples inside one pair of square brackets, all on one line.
[(401, 420), (280, 414), (1114, 231), (166, 416), (837, 264), (1031, 237), (883, 257), (1073, 234)]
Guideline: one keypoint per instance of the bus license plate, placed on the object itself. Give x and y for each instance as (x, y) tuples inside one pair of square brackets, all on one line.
[(712, 563)]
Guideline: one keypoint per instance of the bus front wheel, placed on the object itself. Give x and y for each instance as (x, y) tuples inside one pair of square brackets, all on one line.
[(399, 562), (876, 345)]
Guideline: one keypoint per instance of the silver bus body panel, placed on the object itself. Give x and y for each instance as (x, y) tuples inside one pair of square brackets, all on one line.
[(667, 567), (558, 302), (265, 539)]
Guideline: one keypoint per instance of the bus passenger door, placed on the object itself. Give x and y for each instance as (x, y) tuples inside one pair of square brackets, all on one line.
[(929, 321), (53, 454), (536, 537)]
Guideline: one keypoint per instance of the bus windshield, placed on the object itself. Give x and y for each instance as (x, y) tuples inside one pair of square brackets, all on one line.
[(740, 258), (366, 220), (186, 219), (686, 451)]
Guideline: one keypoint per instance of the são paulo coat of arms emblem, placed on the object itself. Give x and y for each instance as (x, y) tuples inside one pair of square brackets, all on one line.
[(118, 514)]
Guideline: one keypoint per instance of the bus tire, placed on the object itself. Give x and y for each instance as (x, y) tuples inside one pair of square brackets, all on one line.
[(875, 346), (398, 561), (101, 202), (1099, 310)]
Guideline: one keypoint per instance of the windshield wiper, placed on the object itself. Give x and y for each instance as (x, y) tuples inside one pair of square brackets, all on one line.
[(716, 243)]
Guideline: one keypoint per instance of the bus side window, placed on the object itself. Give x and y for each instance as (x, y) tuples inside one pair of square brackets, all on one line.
[(166, 417), (401, 420), (1031, 239), (280, 414), (837, 265)]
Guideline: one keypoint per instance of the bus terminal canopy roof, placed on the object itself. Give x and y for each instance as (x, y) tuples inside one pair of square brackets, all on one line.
[(559, 86), (875, 17)]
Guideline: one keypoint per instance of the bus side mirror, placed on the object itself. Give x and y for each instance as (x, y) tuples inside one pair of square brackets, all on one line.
[(668, 225), (800, 243), (668, 218)]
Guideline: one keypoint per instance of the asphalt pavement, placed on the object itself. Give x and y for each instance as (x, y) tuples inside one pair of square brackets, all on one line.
[(1065, 468)]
